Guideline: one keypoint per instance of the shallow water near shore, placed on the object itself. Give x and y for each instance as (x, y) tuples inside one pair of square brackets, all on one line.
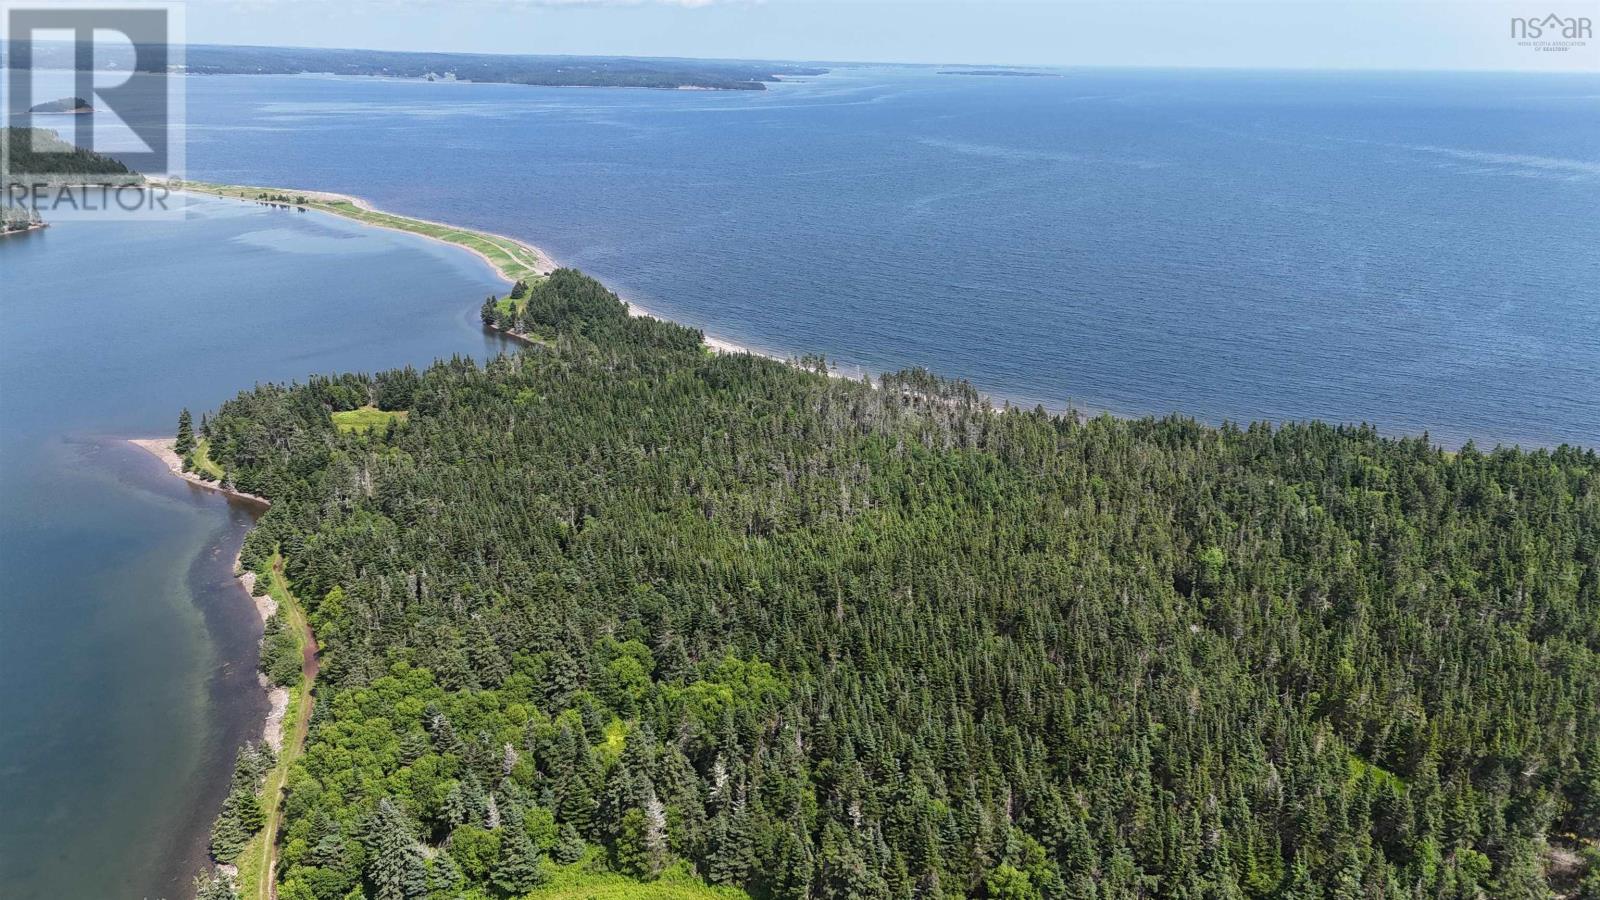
[(126, 646)]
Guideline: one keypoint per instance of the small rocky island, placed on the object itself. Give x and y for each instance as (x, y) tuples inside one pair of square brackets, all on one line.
[(76, 105)]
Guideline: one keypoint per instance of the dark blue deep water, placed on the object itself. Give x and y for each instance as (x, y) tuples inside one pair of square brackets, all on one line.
[(1417, 251)]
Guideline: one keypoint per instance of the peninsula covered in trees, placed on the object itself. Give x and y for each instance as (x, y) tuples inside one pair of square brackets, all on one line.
[(39, 156), (619, 605), (42, 153)]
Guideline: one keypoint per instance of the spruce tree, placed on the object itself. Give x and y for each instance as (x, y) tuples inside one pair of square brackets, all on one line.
[(520, 868), (395, 867), (569, 845), (185, 442)]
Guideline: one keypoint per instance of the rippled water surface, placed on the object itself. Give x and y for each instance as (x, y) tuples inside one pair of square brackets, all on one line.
[(1421, 251)]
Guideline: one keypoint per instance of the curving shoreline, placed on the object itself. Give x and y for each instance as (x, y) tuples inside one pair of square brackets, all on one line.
[(165, 450), (276, 726), (533, 260), (277, 697), (275, 723), (518, 258)]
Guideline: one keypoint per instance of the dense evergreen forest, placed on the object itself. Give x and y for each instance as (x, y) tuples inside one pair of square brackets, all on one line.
[(35, 152), (621, 602)]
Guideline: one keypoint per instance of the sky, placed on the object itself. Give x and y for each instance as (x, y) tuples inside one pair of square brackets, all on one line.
[(1364, 34)]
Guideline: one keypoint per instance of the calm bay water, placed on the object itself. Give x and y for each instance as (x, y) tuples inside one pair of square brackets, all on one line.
[(126, 648), (1415, 251)]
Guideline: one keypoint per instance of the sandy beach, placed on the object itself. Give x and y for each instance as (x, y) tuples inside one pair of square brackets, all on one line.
[(715, 343), (265, 606), (162, 449)]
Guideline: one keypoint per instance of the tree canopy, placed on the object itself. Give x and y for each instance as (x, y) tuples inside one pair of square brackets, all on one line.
[(616, 598)]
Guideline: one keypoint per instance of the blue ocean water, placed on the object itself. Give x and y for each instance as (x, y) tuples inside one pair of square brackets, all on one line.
[(1419, 251)]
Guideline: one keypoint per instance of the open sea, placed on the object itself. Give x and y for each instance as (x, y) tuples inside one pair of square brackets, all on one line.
[(1418, 251)]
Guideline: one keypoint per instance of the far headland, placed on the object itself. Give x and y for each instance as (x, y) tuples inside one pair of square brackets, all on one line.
[(69, 105)]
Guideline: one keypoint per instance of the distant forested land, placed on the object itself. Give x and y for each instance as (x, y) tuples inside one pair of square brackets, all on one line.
[(63, 105), (35, 152), (619, 601), (556, 71)]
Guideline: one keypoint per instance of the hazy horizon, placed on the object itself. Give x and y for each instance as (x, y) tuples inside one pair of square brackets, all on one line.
[(959, 63), (1409, 35)]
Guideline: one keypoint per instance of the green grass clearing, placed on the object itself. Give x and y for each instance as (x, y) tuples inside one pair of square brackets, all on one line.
[(366, 418), (200, 460), (580, 881)]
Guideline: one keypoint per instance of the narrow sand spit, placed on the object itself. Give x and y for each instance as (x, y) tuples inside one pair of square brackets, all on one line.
[(544, 265), (162, 449)]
